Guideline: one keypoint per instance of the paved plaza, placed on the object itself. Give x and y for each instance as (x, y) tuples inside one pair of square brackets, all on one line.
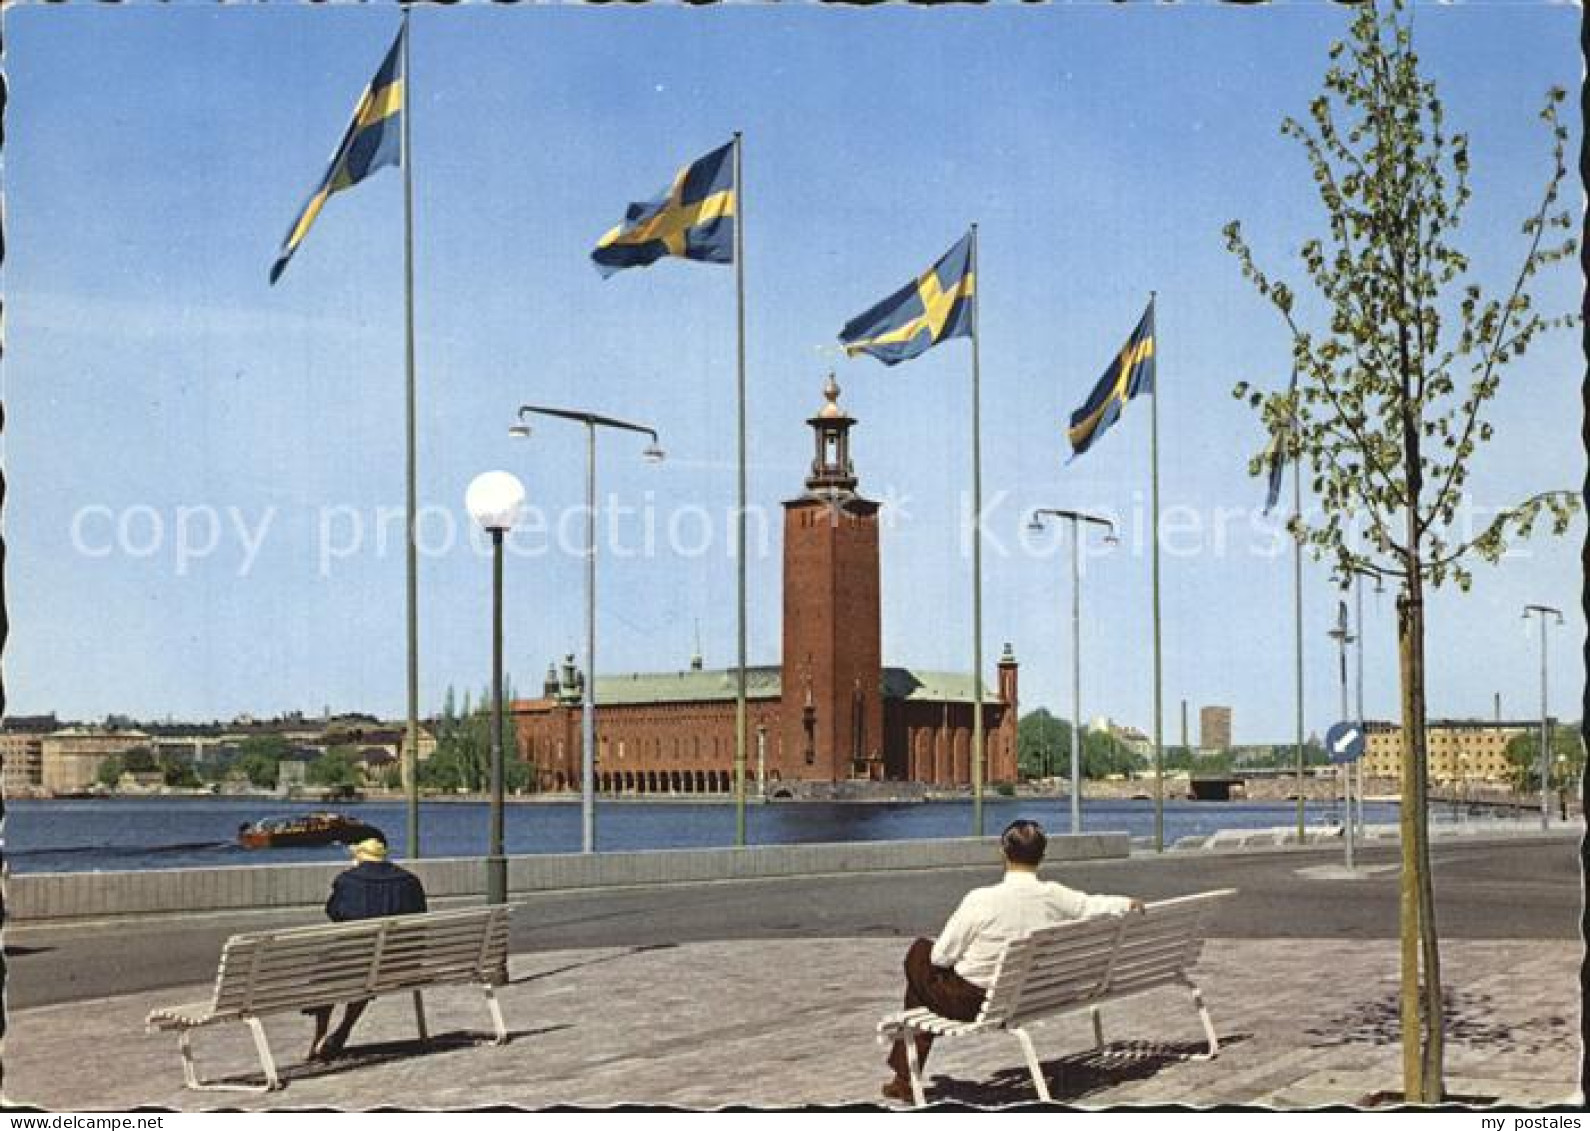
[(790, 1022)]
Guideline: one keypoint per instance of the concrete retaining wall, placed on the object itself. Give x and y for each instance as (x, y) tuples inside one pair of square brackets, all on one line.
[(102, 894)]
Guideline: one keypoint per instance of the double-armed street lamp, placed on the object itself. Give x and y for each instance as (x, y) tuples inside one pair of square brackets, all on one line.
[(653, 454), (1545, 725), (1074, 518), (494, 500)]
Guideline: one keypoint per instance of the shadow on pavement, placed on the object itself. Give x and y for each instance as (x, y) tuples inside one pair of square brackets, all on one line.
[(355, 1057), (631, 952), (1074, 1077)]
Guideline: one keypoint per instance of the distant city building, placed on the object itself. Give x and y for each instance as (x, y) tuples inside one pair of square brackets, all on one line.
[(375, 762), (22, 752), (70, 758), (830, 713), (1214, 728), (30, 724), (1459, 750), (1128, 736), (1135, 741), (21, 762), (368, 736)]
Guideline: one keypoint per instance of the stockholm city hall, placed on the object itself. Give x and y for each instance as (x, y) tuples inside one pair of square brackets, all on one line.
[(831, 713)]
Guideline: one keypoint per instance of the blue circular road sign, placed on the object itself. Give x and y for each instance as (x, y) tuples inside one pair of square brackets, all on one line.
[(1344, 742)]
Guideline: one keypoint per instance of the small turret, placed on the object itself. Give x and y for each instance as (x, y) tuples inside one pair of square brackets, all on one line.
[(1007, 677), (832, 472)]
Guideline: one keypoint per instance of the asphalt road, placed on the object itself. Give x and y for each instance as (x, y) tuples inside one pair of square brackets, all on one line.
[(1504, 889)]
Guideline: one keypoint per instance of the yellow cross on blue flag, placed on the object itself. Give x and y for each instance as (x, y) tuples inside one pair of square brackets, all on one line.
[(1131, 373), (693, 219), (373, 140), (921, 314), (1275, 453)]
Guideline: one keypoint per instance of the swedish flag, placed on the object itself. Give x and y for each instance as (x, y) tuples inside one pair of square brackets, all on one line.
[(1131, 373), (1275, 454), (373, 139), (693, 219), (921, 314)]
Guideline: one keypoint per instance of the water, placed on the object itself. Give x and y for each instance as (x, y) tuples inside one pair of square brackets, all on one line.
[(123, 834)]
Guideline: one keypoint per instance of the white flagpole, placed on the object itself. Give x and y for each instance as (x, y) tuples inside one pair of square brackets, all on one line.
[(739, 522), (411, 750), (977, 553)]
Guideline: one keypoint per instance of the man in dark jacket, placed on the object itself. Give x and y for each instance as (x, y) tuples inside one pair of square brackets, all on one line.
[(371, 889)]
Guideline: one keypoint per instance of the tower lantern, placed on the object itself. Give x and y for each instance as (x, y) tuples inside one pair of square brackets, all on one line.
[(831, 468)]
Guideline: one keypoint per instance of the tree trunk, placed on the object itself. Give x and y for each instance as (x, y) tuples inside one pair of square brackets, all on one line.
[(1412, 681), (1421, 1066), (1424, 1055)]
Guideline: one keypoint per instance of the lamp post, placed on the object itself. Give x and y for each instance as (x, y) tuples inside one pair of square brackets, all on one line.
[(1343, 637), (1545, 725), (653, 454), (1073, 518), (494, 501), (1358, 619)]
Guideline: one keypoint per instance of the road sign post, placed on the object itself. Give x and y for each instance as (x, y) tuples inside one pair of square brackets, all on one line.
[(1344, 745)]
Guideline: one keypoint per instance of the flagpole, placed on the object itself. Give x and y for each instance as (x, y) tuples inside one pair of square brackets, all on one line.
[(1297, 606), (1153, 461), (739, 528), (412, 746), (977, 554)]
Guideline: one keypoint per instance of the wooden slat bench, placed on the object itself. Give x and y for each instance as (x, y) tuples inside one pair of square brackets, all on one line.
[(1073, 966), (272, 972)]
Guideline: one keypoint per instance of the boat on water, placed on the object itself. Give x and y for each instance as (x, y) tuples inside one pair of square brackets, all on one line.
[(306, 830)]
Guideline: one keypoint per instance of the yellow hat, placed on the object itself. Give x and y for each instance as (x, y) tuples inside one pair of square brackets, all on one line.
[(372, 849)]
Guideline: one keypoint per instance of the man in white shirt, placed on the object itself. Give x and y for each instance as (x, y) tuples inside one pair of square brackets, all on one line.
[(951, 976)]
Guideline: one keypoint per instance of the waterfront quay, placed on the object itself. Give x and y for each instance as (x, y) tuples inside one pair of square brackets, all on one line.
[(766, 992)]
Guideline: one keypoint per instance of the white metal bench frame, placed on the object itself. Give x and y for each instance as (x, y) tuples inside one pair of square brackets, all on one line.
[(265, 973), (1072, 966)]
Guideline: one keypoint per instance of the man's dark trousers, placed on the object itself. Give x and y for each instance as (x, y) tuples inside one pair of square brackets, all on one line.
[(943, 991)]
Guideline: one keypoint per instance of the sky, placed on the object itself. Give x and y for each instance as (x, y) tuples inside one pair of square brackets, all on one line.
[(206, 472)]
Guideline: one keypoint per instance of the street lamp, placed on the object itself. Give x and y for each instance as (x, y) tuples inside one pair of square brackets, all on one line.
[(1545, 726), (1074, 517), (1358, 619), (494, 500), (653, 454), (1343, 637)]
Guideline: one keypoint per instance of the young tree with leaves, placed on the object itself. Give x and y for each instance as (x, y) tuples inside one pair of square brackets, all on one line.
[(259, 757), (1567, 759), (338, 766), (1398, 355), (1043, 744)]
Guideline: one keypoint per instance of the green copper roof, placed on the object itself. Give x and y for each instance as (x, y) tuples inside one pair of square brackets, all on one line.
[(935, 687), (687, 686), (766, 682)]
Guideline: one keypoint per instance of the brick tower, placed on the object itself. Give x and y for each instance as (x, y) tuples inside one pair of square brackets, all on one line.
[(832, 715)]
